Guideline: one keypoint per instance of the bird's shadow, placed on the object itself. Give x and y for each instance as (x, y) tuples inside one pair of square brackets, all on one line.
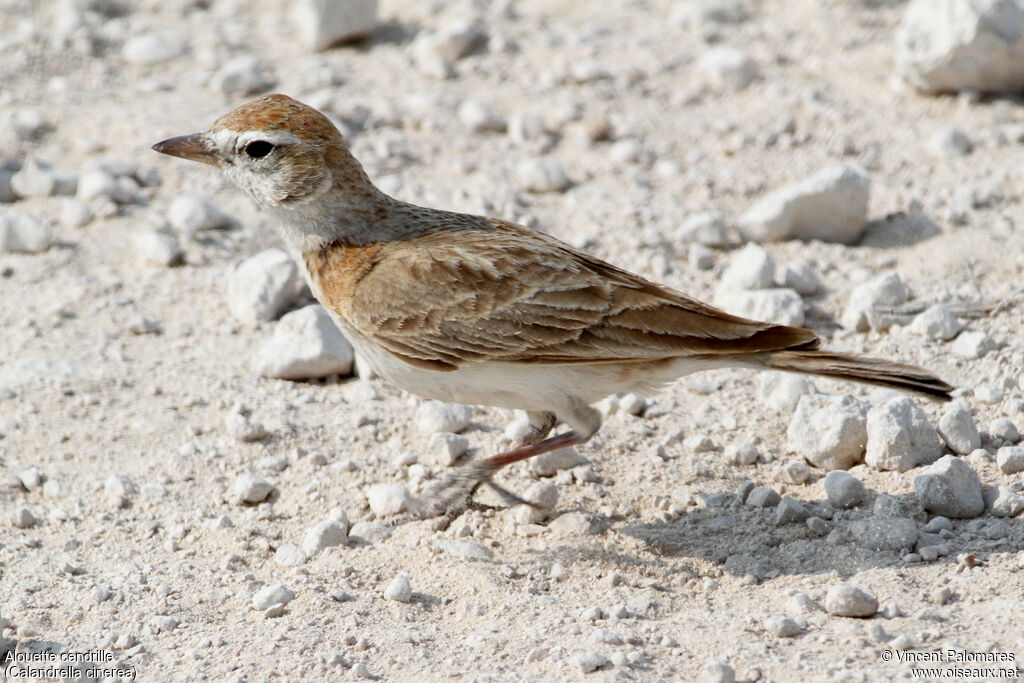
[(899, 230)]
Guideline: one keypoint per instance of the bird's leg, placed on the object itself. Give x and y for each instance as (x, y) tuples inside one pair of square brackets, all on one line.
[(541, 424)]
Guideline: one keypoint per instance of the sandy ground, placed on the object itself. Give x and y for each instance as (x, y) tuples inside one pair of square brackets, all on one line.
[(165, 583)]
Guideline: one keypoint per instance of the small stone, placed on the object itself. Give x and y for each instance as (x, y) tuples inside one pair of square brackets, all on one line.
[(387, 499), (589, 661), (698, 443), (957, 428), (794, 471), (1010, 459), (31, 478), (900, 437), (477, 117), (369, 532), (542, 175), (707, 228), (119, 485), (306, 345), (22, 232), (972, 345), (830, 432), (937, 524), (324, 23), (831, 205), (742, 454), (262, 287), (817, 526), (192, 213), (35, 178), (632, 404), (801, 278), (889, 533), (940, 596), (717, 671), (800, 604), (763, 497), (436, 416), (950, 142), (446, 448), (1004, 429), (550, 463), (989, 394), (251, 489), (707, 15), (752, 267), (938, 321), (325, 534), (97, 185), (158, 247), (843, 490), (574, 524), (847, 600), (22, 518), (75, 213), (700, 257), (268, 596), (289, 555), (726, 68), (399, 589), (781, 306), (951, 488), (626, 151), (274, 611), (790, 511), (155, 47), (543, 494), (781, 626), (468, 549), (241, 427), (241, 76), (865, 309), (781, 391)]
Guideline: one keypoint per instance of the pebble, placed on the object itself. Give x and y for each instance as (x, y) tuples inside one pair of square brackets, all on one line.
[(31, 478), (950, 142), (1010, 459), (369, 532), (830, 432), (847, 600), (781, 306), (542, 493), (752, 267), (22, 518), (726, 68), (387, 499), (75, 213), (248, 488), (957, 428), (446, 448), (794, 471), (574, 524), (97, 184), (781, 391), (707, 228), (589, 661), (951, 488), (707, 14), (790, 511), (35, 178), (263, 286), (467, 549), (801, 277), (831, 205), (117, 485), (781, 626), (268, 596), (241, 427), (1006, 503), (800, 604), (158, 247), (154, 47), (938, 322), (862, 309), (399, 589), (541, 175), (192, 213), (242, 76), (325, 534), (437, 416), (954, 45), (479, 118), (289, 555), (987, 393), (763, 497), (306, 344), (900, 437), (626, 151), (632, 404), (741, 454), (698, 443), (843, 490), (550, 463), (972, 345), (22, 232), (885, 534), (1004, 429), (717, 671), (323, 24)]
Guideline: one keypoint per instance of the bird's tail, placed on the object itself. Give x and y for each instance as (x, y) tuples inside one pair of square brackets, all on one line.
[(861, 369)]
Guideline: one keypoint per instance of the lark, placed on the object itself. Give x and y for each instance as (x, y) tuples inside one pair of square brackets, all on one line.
[(475, 310)]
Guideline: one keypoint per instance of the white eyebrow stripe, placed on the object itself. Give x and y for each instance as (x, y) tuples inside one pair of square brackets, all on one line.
[(229, 141)]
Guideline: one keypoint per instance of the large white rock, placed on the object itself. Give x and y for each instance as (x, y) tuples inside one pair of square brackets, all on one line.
[(900, 437), (306, 345), (938, 321), (263, 286), (158, 247), (781, 306), (949, 487), (831, 205), (323, 23), (23, 232), (752, 267), (830, 432), (862, 310), (958, 429), (950, 45)]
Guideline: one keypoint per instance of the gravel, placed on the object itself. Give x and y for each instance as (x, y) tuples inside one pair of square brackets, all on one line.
[(950, 488), (306, 344), (193, 213), (325, 534), (250, 489), (551, 463), (399, 590), (22, 232), (263, 286), (864, 310), (387, 499), (847, 600), (938, 322), (885, 534), (900, 437), (763, 497), (830, 432), (276, 594), (957, 428), (468, 549)]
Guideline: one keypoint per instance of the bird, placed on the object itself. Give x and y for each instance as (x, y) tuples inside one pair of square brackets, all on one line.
[(481, 311)]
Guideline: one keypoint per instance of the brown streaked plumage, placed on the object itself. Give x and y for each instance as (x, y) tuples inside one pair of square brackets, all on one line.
[(476, 310)]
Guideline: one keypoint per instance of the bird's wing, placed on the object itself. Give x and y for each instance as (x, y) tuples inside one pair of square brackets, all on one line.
[(514, 295)]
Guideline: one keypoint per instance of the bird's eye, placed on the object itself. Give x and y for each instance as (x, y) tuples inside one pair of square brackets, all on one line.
[(258, 149)]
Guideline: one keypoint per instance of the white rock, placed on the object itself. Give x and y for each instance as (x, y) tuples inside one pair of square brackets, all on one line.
[(717, 671), (190, 213), (830, 432), (97, 184), (241, 76), (1010, 459), (263, 286), (153, 48), (626, 151), (268, 596), (1006, 503), (843, 489), (794, 472), (22, 518), (249, 488), (846, 600), (950, 45), (950, 488), (800, 277), (727, 68), (831, 205), (289, 555), (938, 321), (542, 175), (117, 485), (702, 14), (479, 118), (323, 23), (457, 39), (29, 123), (782, 626), (590, 660), (1003, 428), (957, 428), (865, 308), (446, 448), (35, 178), (306, 345), (700, 257), (526, 126), (324, 534), (900, 437), (972, 345), (437, 416), (22, 232), (387, 499), (241, 427), (950, 142), (75, 213), (548, 464), (542, 493), (781, 391), (468, 549), (707, 228), (782, 306), (158, 247), (399, 589), (573, 524), (752, 267)]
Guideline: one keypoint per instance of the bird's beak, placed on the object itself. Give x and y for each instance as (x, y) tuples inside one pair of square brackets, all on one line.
[(192, 147)]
